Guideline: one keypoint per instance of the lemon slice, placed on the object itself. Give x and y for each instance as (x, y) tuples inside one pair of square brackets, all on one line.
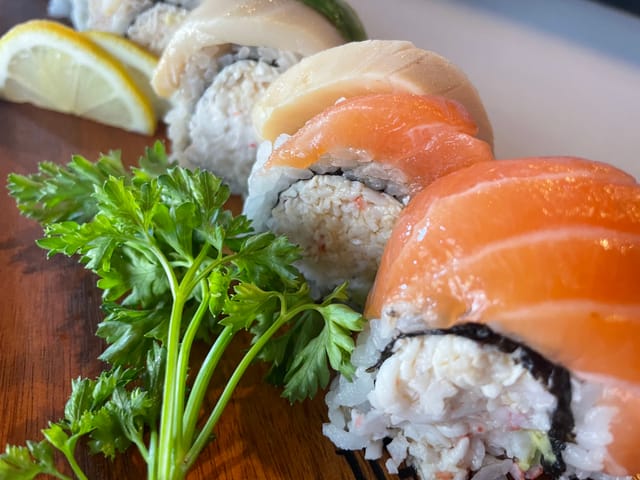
[(139, 62), (54, 67)]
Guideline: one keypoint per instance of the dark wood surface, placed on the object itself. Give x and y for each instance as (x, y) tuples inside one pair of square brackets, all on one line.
[(49, 310)]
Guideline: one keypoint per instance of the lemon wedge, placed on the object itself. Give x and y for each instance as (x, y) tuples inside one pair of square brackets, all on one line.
[(53, 66), (139, 62)]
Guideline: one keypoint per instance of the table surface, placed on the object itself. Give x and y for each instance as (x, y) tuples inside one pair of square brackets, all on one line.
[(49, 310)]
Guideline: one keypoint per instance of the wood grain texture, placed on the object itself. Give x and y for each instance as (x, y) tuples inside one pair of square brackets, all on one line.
[(49, 310)]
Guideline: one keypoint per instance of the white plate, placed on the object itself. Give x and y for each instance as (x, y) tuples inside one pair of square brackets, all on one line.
[(557, 77)]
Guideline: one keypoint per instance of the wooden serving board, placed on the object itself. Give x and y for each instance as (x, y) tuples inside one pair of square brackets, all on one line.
[(49, 310)]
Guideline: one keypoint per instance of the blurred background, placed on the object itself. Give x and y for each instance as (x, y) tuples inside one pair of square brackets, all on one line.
[(557, 76)]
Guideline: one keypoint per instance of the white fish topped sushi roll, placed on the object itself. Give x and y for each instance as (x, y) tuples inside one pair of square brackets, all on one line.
[(503, 328), (337, 185), (154, 27), (221, 59), (148, 23)]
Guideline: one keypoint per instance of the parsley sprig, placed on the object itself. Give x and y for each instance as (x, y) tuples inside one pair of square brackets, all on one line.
[(174, 268)]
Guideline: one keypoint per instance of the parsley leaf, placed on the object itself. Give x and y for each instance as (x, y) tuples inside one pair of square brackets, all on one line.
[(58, 193), (331, 347), (25, 463)]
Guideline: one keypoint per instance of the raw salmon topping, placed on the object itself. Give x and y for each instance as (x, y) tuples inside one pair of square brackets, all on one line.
[(424, 137), (545, 250)]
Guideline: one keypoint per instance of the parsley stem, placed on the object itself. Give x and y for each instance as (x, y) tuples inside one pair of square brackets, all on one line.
[(59, 475), (202, 380), (152, 464), (212, 266), (142, 448), (166, 267), (75, 467), (185, 354), (169, 431), (170, 443), (205, 434)]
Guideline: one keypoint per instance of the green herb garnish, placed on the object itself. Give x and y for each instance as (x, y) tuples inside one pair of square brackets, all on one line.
[(174, 268)]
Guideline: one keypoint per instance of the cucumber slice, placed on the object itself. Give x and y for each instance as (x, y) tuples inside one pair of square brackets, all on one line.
[(343, 17)]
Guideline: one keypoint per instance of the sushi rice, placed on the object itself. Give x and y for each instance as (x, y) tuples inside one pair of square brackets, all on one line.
[(449, 407), (331, 209), (210, 123)]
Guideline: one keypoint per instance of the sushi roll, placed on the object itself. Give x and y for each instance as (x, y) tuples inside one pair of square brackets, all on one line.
[(148, 23), (502, 331), (338, 184), (220, 60), (154, 27)]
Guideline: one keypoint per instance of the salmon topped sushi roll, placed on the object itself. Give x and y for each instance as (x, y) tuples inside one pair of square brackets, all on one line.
[(502, 331), (337, 186)]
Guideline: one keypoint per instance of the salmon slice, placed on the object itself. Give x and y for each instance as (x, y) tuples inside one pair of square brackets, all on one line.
[(545, 250), (423, 137)]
